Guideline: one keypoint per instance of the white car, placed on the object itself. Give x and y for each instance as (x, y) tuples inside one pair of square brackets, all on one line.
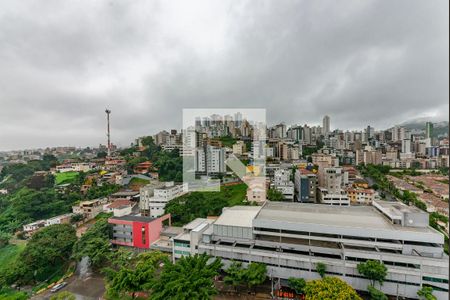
[(58, 287)]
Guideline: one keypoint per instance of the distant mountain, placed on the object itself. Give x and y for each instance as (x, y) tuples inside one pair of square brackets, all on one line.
[(440, 128)]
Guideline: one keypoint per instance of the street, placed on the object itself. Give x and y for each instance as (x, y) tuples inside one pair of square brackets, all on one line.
[(91, 288)]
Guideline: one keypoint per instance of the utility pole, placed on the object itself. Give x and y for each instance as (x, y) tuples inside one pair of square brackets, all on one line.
[(108, 112)]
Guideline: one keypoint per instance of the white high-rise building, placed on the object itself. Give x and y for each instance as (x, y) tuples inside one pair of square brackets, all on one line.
[(210, 160), (406, 146)]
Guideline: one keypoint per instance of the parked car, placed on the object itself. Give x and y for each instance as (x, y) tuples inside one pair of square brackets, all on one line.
[(58, 287)]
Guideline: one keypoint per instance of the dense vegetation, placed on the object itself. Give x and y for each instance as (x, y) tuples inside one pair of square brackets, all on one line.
[(228, 141), (15, 176), (47, 252), (255, 274), (329, 288), (27, 205), (190, 277), (30, 200), (186, 208), (275, 195), (8, 256), (169, 164), (94, 243), (129, 273)]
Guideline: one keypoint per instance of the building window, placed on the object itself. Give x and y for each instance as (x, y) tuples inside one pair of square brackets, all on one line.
[(143, 235)]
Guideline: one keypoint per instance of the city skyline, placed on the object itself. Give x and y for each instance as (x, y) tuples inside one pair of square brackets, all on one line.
[(61, 70), (104, 141)]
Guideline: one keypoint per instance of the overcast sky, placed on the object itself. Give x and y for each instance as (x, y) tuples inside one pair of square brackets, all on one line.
[(361, 62)]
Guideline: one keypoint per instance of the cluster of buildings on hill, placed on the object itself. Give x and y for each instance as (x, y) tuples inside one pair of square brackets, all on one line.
[(328, 215), (292, 238), (398, 147)]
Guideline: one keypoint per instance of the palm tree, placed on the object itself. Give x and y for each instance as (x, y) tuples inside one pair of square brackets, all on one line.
[(191, 277)]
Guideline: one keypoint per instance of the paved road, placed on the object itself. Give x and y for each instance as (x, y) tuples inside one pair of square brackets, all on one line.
[(91, 288)]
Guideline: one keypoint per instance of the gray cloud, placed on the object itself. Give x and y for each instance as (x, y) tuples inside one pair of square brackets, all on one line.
[(361, 62)]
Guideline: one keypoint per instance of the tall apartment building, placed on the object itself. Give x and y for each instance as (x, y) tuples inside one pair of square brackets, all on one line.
[(239, 148), (406, 146), (334, 179), (326, 125), (306, 184), (369, 156), (292, 238), (429, 130), (282, 182), (210, 160), (145, 194)]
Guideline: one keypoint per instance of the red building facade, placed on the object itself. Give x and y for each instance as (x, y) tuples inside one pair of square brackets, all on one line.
[(137, 231)]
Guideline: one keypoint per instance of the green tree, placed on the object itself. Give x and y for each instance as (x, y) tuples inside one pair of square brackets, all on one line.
[(275, 195), (321, 268), (191, 277), (64, 295), (235, 274), (297, 284), (376, 294), (48, 251), (94, 243), (374, 270), (4, 238), (255, 274), (170, 166), (140, 276), (426, 293), (330, 288), (76, 218), (186, 208), (102, 154)]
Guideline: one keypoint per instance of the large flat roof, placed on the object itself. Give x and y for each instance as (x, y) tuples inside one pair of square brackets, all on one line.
[(362, 217), (241, 216)]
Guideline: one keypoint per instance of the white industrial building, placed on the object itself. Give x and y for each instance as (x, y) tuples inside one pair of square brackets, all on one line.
[(291, 238)]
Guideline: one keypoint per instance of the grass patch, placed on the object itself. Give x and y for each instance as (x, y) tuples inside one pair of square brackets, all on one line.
[(7, 293), (66, 177), (9, 254), (193, 205), (235, 194), (137, 180)]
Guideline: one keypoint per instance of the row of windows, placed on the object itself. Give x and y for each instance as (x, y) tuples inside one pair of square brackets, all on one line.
[(389, 263), (386, 280), (177, 244), (338, 274), (337, 236), (433, 279), (318, 254)]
